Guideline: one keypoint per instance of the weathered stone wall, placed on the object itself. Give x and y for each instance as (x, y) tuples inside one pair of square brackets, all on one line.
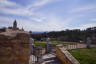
[(14, 50), (64, 56)]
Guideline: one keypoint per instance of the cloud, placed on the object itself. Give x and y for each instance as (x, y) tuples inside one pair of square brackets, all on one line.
[(36, 20), (53, 22), (93, 19), (83, 8), (43, 2), (15, 9), (6, 18), (47, 23), (19, 10), (5, 21), (86, 26), (7, 3), (50, 22)]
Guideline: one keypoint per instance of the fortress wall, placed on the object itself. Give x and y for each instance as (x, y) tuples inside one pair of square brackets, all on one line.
[(14, 50)]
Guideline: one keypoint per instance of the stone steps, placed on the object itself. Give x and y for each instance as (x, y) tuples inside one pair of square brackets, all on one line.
[(50, 59), (46, 59)]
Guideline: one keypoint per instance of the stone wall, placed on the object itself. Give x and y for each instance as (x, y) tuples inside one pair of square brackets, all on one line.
[(14, 50), (64, 56)]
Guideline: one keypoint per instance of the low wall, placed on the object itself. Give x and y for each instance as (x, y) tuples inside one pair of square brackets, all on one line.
[(14, 50), (64, 56)]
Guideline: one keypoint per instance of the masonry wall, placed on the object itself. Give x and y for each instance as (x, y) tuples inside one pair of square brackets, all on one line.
[(65, 57), (14, 50)]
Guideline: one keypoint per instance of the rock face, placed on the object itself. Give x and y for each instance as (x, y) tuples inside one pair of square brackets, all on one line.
[(14, 48)]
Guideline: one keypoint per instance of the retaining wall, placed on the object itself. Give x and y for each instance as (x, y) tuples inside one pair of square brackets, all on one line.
[(64, 56)]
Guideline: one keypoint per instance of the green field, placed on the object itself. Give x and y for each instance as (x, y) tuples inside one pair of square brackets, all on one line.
[(85, 56), (43, 43)]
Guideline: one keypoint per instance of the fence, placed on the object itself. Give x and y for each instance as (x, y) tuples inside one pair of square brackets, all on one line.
[(75, 45)]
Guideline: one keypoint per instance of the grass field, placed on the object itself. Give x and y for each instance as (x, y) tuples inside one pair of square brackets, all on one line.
[(37, 43), (85, 56), (43, 43)]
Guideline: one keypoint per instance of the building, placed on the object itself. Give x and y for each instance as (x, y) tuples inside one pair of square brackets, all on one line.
[(14, 27)]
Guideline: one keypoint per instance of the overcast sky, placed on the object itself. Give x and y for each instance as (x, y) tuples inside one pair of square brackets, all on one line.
[(48, 15)]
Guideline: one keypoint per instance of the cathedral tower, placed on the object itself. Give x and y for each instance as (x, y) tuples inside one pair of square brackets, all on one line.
[(15, 25)]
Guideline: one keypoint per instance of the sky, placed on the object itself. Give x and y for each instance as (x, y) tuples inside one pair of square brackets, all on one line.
[(48, 15)]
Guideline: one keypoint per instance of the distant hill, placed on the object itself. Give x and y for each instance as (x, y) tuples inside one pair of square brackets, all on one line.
[(35, 32)]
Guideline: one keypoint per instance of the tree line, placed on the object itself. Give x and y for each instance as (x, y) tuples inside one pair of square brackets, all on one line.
[(75, 35)]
